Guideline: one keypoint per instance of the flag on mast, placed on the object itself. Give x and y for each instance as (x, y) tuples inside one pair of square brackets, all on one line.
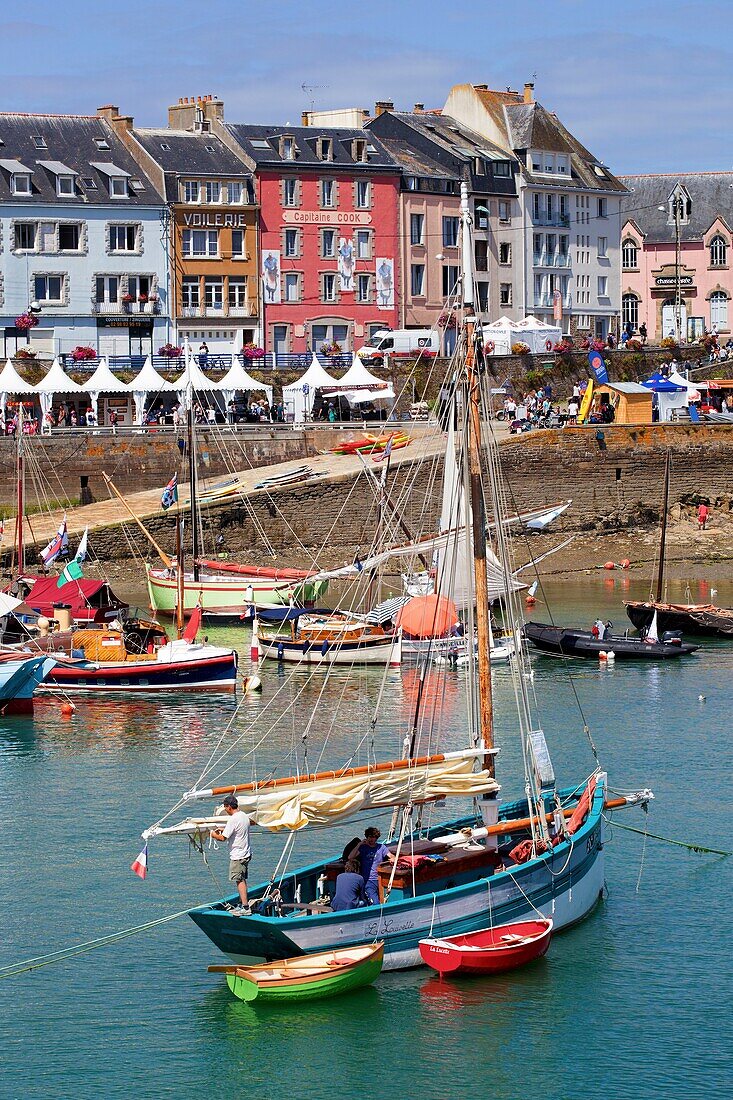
[(140, 866), (170, 493), (81, 553), (57, 545)]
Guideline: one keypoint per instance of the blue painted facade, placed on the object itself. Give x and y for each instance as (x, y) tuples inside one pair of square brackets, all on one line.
[(83, 232)]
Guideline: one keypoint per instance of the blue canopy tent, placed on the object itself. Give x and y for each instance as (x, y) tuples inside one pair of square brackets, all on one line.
[(669, 396)]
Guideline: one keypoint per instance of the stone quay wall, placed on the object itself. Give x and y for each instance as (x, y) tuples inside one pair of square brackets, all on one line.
[(613, 475)]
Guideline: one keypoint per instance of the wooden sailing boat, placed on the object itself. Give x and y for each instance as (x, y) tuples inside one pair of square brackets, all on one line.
[(702, 619), (498, 864), (224, 591)]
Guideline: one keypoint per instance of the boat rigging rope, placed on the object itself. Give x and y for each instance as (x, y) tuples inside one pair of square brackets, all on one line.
[(699, 848), (64, 953)]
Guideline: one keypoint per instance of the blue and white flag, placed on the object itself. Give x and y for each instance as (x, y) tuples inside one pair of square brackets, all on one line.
[(170, 493), (57, 545), (598, 366)]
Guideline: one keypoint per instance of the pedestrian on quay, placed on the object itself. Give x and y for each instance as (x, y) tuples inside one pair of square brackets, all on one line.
[(702, 516), (236, 835), (643, 332), (203, 353), (113, 421)]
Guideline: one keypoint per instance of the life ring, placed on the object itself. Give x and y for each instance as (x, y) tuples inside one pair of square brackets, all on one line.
[(548, 345), (489, 347)]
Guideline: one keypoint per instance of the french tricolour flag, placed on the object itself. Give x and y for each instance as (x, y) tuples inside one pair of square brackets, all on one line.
[(140, 866)]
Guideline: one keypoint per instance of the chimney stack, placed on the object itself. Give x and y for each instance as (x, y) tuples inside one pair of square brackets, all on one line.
[(419, 108), (529, 92), (305, 118), (383, 105)]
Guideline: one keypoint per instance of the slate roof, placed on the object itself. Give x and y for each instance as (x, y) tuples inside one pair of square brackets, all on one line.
[(414, 162), (451, 136), (69, 141), (305, 138), (532, 126), (190, 154), (710, 194)]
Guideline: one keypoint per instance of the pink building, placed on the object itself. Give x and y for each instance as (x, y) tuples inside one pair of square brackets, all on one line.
[(672, 220)]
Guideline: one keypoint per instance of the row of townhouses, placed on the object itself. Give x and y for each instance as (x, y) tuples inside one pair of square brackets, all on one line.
[(298, 237)]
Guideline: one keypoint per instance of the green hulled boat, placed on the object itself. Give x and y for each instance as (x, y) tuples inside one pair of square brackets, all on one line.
[(306, 977)]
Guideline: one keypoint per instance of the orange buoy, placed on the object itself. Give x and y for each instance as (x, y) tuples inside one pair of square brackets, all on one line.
[(609, 565), (67, 709), (625, 563), (530, 600)]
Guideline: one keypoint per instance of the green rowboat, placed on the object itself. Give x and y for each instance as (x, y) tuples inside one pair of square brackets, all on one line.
[(306, 977)]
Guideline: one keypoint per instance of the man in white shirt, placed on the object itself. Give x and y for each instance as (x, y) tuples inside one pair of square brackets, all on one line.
[(236, 834)]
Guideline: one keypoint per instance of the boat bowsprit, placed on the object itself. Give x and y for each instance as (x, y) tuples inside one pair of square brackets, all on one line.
[(490, 950), (306, 978), (571, 642), (20, 675)]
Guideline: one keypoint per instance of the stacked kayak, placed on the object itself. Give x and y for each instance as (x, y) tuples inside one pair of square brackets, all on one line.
[(372, 444)]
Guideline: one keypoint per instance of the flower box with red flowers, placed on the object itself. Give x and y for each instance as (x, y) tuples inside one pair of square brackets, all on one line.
[(81, 353), (26, 321), (253, 351), (170, 351)]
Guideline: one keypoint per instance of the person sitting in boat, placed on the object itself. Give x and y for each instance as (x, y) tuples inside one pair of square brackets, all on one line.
[(370, 853), (236, 835), (349, 893)]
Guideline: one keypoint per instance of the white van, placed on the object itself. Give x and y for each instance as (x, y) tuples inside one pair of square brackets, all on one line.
[(399, 342)]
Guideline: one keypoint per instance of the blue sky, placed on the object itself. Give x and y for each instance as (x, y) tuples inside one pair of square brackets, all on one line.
[(646, 85)]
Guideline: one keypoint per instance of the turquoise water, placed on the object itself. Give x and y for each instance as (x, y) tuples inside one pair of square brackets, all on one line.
[(635, 1001)]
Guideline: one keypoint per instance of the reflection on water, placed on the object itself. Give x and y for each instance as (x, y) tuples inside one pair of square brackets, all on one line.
[(624, 992)]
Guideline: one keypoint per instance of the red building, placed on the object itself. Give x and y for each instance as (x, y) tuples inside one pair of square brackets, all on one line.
[(329, 235)]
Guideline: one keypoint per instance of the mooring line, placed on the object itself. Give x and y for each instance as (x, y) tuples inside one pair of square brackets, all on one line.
[(64, 953), (667, 840)]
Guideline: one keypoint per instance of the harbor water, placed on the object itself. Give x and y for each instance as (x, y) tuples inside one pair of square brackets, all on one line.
[(633, 1002)]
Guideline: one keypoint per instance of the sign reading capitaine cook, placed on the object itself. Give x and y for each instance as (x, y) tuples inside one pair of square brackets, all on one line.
[(212, 221), (670, 280), (326, 217)]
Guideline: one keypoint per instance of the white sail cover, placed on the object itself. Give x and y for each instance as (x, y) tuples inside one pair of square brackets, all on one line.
[(293, 805)]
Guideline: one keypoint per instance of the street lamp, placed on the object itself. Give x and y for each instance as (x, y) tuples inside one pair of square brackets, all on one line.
[(677, 199)]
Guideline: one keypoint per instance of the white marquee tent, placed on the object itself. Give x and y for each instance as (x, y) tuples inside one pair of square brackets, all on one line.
[(236, 379), (103, 381), (11, 383), (530, 331), (56, 381), (299, 396), (146, 381), (359, 385)]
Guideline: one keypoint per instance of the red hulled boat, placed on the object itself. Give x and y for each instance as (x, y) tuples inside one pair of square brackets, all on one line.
[(489, 951)]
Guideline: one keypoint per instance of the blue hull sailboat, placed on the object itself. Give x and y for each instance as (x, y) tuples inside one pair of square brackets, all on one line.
[(498, 863), (20, 675)]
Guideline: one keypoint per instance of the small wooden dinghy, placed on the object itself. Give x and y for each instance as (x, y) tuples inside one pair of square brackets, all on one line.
[(306, 977), (489, 951)]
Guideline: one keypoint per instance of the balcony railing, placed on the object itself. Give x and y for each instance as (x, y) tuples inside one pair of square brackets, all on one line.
[(249, 309), (551, 219), (547, 301), (551, 259), (116, 309)]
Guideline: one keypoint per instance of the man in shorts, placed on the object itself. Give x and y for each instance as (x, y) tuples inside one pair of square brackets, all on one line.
[(236, 834)]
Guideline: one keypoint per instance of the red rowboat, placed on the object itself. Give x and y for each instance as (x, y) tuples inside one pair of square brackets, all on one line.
[(489, 951)]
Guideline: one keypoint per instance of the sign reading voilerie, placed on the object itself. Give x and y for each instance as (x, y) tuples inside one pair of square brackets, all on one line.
[(326, 217), (214, 221)]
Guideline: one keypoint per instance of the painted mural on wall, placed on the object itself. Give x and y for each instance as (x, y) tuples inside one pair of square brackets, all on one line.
[(346, 262), (385, 283), (271, 293)]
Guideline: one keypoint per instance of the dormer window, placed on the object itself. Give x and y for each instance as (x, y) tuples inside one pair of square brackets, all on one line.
[(65, 187), (287, 147), (118, 187), (213, 191), (680, 206), (324, 149), (20, 183), (358, 149)]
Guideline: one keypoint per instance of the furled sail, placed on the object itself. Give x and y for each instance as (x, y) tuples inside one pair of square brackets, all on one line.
[(326, 797)]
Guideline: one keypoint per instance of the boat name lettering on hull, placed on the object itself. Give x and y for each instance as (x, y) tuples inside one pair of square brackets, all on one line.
[(388, 926), (593, 842)]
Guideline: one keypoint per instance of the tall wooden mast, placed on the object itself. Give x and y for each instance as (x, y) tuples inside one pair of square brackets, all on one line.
[(192, 467), (663, 539), (478, 512), (20, 503)]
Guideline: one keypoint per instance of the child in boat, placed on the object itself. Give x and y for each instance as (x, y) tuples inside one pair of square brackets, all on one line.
[(349, 892)]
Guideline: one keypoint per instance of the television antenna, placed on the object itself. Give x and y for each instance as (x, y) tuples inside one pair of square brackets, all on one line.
[(309, 89)]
